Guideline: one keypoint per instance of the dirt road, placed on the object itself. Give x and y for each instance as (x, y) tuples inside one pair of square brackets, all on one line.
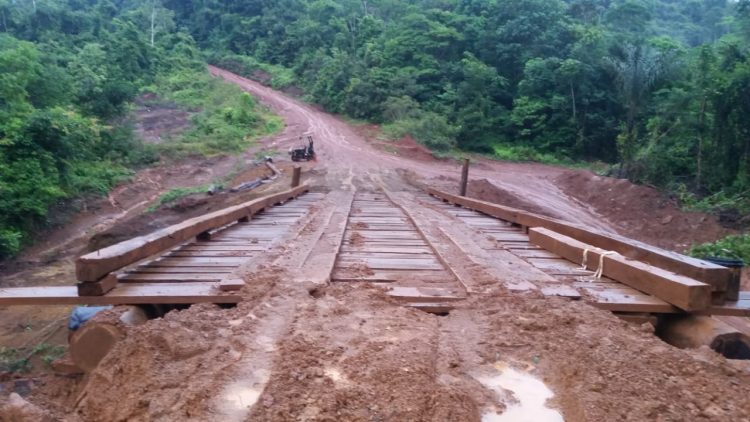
[(299, 349), (347, 158)]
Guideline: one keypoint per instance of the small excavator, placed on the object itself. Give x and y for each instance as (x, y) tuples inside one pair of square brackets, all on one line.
[(305, 153)]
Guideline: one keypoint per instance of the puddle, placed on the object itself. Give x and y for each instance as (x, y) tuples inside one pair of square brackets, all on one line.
[(531, 395), (238, 397)]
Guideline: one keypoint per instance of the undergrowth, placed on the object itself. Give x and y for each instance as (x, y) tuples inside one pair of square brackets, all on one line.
[(719, 201), (175, 194), (279, 77), (227, 120), (19, 359), (733, 246)]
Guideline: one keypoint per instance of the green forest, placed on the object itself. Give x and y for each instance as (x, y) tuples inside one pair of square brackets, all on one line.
[(69, 71), (657, 90), (660, 88)]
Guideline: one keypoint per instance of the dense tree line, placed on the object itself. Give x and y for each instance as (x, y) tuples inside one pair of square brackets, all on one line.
[(659, 86), (68, 71)]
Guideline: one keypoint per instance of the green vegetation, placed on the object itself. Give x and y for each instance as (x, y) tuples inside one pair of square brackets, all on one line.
[(735, 246), (228, 121), (717, 202), (19, 360), (174, 194), (13, 360), (657, 88), (68, 73)]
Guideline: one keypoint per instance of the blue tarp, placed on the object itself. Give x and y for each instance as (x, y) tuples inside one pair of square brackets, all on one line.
[(81, 314)]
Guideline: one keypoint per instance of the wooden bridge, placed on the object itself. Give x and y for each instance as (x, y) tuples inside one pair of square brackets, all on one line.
[(406, 241)]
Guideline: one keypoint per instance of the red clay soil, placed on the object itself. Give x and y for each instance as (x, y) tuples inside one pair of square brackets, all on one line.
[(333, 360), (156, 121), (642, 212), (404, 147), (483, 189)]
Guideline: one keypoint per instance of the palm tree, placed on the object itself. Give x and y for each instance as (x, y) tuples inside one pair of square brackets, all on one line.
[(637, 69)]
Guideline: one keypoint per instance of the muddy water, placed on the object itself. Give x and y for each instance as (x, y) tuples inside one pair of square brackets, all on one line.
[(530, 394)]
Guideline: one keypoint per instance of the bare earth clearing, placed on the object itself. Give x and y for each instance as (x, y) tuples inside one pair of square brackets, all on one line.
[(296, 350)]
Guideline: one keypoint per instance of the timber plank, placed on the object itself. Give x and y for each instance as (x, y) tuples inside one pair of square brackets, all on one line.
[(376, 249), (359, 255), (170, 277), (535, 253), (559, 289), (426, 276), (192, 247), (740, 308), (122, 294), (370, 234), (628, 301), (211, 254), (424, 294), (221, 261), (183, 270), (393, 263), (231, 284), (508, 237)]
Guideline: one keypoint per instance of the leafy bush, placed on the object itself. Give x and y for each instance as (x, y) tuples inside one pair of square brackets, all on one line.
[(228, 119), (526, 153), (431, 129), (734, 246), (719, 201), (175, 194), (249, 67), (96, 176)]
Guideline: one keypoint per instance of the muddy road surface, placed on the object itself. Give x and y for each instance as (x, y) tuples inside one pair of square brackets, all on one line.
[(301, 347)]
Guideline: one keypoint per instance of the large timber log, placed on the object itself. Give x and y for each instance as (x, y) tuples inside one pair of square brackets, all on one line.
[(694, 331), (94, 340)]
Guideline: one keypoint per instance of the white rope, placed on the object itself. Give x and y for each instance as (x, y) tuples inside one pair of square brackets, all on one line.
[(585, 259), (600, 270)]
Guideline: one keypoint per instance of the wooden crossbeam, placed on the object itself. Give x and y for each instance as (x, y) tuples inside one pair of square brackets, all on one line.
[(122, 294), (95, 265), (683, 292)]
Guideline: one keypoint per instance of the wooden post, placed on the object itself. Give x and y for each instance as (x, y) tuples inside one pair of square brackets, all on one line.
[(464, 177), (296, 176)]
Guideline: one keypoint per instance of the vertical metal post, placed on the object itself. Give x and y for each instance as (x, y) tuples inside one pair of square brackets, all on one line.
[(296, 172), (464, 177)]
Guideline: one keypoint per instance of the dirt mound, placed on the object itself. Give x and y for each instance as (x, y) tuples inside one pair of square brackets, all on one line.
[(156, 120), (189, 206), (486, 191), (641, 212), (625, 374), (369, 361), (406, 147)]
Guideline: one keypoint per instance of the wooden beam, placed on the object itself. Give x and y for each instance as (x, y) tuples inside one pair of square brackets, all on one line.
[(680, 291), (231, 284), (95, 265), (98, 288), (697, 269), (123, 294)]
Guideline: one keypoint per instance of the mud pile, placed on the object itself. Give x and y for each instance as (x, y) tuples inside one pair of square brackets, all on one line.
[(641, 212), (484, 189)]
